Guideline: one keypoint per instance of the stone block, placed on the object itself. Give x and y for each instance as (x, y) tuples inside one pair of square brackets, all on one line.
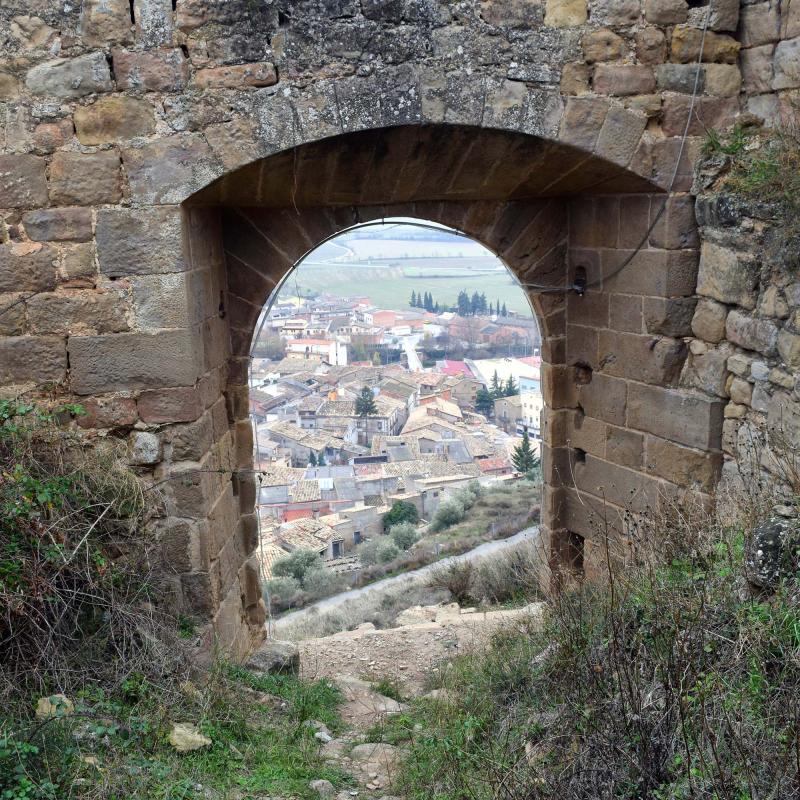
[(105, 22), (144, 448), (605, 398), (790, 20), (680, 78), (168, 170), (27, 267), (85, 179), (190, 442), (617, 13), (140, 241), (789, 348), (626, 313), (680, 416), (111, 411), (22, 181), (723, 80), (708, 322), (708, 372), (695, 469), (723, 276), (718, 113), (739, 364), (624, 447), (644, 358), (59, 225), (723, 15), (626, 488), (161, 301), (37, 359), (651, 45), (666, 12), (565, 13), (76, 265), (126, 361), (163, 70), (583, 118), (741, 391), (752, 333), (69, 78), (718, 48), (582, 345), (783, 418), (673, 220), (50, 136), (9, 86), (177, 538), (670, 316), (760, 24), (658, 273), (591, 308), (787, 64), (77, 311), (182, 404), (153, 22), (114, 119), (12, 315), (757, 68), (623, 79), (620, 135), (602, 45), (237, 77)]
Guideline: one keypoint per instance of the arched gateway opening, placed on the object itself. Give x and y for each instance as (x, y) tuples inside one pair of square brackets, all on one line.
[(609, 262)]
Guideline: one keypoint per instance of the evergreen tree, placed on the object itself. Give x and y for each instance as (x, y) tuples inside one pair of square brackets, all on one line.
[(505, 311), (463, 304), (495, 388), (523, 458), (365, 403), (484, 403), (497, 307), (474, 303), (483, 303), (413, 302), (312, 459), (510, 387), (436, 308), (321, 460)]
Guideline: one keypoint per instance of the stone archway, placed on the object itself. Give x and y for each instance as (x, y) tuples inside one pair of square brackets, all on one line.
[(618, 429)]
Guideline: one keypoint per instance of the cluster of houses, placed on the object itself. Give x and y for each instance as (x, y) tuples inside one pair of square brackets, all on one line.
[(330, 472)]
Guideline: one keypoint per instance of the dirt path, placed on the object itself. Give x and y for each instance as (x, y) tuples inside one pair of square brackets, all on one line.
[(409, 654)]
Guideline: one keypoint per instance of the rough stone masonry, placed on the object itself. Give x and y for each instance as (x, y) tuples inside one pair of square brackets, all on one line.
[(163, 164)]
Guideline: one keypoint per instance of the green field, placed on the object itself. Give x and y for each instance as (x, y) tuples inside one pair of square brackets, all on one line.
[(391, 287)]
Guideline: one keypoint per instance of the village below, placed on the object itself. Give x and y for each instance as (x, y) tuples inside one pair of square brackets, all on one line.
[(377, 429)]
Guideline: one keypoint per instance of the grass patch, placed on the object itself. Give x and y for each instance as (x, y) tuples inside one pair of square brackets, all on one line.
[(667, 682), (115, 744), (389, 687)]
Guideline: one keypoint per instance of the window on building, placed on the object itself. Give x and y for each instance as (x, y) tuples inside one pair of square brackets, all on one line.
[(357, 537)]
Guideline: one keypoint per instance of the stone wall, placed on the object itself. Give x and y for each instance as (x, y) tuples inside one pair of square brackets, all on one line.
[(131, 130)]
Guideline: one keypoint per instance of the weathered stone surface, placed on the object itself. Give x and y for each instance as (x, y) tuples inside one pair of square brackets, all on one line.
[(726, 278), (741, 391), (27, 267), (708, 322), (59, 224), (275, 656), (723, 15), (685, 46), (565, 13), (12, 314), (50, 136), (669, 316), (617, 12), (9, 86), (125, 361), (770, 553), (752, 333), (718, 113), (683, 466), (169, 170), (182, 404), (37, 359), (680, 416), (22, 181), (757, 68), (681, 78), (623, 79), (110, 411), (153, 22), (789, 348), (69, 78), (760, 24), (723, 80), (85, 178), (140, 241), (602, 45), (651, 45), (71, 312), (707, 372), (622, 129), (666, 12), (787, 65), (113, 119), (105, 22), (165, 70), (262, 74)]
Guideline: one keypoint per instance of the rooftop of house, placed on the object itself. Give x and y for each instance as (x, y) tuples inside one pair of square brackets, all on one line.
[(307, 533)]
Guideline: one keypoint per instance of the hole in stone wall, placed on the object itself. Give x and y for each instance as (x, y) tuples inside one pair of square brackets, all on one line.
[(283, 19), (133, 13), (580, 455), (582, 373), (697, 3), (185, 51)]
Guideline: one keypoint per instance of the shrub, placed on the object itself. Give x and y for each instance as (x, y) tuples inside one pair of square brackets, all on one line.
[(450, 512), (404, 535), (455, 577), (401, 511), (321, 582), (511, 575), (296, 564), (281, 593), (387, 551)]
